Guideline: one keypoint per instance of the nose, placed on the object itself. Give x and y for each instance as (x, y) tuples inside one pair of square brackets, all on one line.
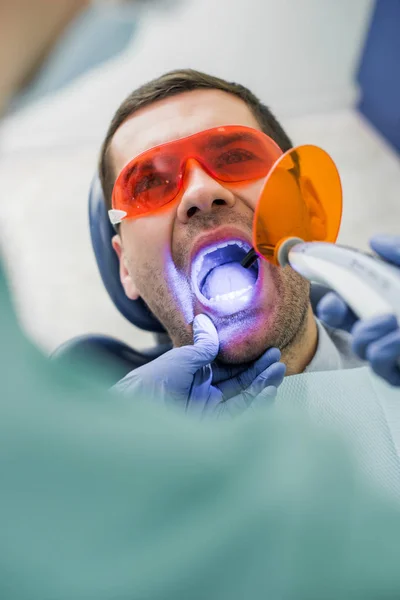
[(201, 193)]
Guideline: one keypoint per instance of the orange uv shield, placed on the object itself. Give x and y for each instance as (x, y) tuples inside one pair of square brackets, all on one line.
[(302, 197)]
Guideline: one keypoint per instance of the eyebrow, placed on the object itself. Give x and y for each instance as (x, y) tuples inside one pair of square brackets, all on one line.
[(220, 141), (215, 142), (133, 168)]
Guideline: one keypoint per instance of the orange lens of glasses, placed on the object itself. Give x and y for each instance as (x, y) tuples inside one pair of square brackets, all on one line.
[(302, 197), (231, 154)]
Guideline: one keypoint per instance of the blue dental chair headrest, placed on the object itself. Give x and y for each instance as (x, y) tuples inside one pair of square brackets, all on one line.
[(101, 233)]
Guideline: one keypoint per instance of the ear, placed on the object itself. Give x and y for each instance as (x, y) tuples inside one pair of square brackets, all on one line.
[(316, 211), (124, 275)]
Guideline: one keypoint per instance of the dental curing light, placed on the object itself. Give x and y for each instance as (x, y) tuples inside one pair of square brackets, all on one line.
[(296, 222), (369, 285)]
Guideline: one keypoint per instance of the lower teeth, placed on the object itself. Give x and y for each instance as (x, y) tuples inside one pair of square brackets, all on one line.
[(230, 295)]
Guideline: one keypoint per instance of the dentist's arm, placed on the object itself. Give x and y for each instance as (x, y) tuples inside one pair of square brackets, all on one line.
[(376, 340)]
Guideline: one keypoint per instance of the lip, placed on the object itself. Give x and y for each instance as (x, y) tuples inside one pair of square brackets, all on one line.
[(207, 240)]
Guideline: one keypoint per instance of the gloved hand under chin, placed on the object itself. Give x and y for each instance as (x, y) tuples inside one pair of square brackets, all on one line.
[(376, 340), (184, 378)]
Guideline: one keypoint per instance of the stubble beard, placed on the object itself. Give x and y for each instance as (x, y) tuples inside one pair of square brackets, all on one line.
[(283, 329)]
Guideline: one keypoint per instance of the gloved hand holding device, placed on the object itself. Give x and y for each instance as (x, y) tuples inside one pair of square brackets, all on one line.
[(307, 179), (376, 340), (185, 378)]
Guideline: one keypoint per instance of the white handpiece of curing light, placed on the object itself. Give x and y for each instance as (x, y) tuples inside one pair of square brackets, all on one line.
[(370, 286)]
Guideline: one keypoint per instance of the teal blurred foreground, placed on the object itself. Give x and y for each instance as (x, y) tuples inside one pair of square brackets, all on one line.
[(105, 498)]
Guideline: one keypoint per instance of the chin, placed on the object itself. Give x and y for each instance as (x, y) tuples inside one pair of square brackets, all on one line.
[(243, 340)]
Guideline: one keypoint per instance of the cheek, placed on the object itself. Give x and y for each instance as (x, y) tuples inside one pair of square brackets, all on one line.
[(249, 193), (147, 246), (146, 241)]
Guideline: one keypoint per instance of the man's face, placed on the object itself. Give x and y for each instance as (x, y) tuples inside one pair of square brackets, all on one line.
[(165, 257)]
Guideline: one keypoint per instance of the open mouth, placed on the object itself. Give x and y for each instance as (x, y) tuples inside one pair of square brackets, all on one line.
[(218, 278)]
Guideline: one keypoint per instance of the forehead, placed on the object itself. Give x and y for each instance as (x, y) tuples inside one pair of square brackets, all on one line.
[(177, 117)]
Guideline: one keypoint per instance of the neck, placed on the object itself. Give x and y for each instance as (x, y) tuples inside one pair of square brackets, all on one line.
[(302, 349)]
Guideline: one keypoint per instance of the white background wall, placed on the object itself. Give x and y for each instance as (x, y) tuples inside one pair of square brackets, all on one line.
[(298, 55)]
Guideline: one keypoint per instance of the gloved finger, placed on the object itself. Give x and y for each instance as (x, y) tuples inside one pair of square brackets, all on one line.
[(238, 405), (388, 247), (223, 372), (233, 373), (366, 332), (204, 349), (264, 399), (201, 392), (272, 376), (235, 385), (335, 312), (269, 379), (384, 355)]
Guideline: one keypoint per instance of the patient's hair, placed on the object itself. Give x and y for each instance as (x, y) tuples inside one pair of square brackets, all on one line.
[(172, 84)]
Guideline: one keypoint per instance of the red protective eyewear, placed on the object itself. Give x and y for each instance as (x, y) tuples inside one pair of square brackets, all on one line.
[(153, 179)]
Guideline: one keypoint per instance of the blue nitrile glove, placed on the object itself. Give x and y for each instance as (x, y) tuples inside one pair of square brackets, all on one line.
[(376, 340), (183, 377)]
